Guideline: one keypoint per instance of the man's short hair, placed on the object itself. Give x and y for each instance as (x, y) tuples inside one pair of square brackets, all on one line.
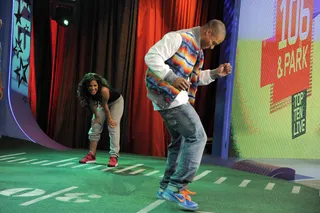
[(216, 26)]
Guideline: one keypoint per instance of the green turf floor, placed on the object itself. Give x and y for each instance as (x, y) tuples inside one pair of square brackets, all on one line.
[(29, 187)]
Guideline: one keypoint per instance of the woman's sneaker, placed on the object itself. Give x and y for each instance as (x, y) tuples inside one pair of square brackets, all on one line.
[(113, 162), (89, 158)]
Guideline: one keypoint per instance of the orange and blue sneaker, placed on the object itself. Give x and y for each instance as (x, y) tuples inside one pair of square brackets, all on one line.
[(182, 198), (160, 193)]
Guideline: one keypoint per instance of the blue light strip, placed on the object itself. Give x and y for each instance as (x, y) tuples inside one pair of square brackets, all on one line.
[(10, 72), (224, 92), (231, 54)]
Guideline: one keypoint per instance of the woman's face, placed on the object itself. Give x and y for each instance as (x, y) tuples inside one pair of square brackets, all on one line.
[(93, 87)]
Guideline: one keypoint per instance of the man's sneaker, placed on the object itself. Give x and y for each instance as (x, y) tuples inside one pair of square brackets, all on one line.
[(182, 198), (89, 158), (159, 194), (113, 162)]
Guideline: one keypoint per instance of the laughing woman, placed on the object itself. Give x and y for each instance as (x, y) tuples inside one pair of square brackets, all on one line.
[(106, 105)]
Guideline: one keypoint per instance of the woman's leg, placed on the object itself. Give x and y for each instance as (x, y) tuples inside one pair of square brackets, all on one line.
[(116, 110), (94, 136)]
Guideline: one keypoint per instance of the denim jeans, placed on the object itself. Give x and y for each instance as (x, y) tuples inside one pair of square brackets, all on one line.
[(188, 139), (116, 111)]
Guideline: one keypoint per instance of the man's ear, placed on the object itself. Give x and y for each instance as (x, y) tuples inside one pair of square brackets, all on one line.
[(209, 31)]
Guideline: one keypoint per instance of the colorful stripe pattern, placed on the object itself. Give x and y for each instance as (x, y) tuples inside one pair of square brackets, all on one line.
[(187, 63)]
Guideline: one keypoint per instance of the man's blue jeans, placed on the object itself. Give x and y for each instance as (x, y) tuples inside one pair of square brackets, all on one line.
[(188, 139)]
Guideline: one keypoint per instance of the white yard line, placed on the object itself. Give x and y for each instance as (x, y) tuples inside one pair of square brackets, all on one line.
[(66, 164), (244, 183), (12, 161), (137, 171), (60, 161), (10, 155), (220, 180), (296, 190), (128, 168), (28, 161), (270, 186), (151, 206), (201, 175), (81, 165), (151, 173), (93, 167), (39, 162)]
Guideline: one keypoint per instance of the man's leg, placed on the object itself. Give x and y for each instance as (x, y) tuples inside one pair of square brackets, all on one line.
[(186, 121), (171, 164), (173, 152)]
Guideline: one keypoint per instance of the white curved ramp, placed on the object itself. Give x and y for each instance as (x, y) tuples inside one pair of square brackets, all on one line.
[(16, 118)]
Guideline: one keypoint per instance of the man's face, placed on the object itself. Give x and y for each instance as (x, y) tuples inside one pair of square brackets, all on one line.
[(209, 41), (0, 23)]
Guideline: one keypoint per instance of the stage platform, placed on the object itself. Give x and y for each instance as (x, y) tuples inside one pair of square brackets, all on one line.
[(38, 179)]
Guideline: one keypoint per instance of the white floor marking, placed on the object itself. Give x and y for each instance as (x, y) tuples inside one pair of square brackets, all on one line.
[(244, 183), (34, 192), (137, 172), (9, 192), (204, 212), (201, 175), (151, 206), (151, 173), (60, 161), (108, 168), (270, 186), (161, 176), (93, 167), (81, 165), (66, 164), (39, 162), (10, 155), (128, 168), (2, 159), (220, 180), (27, 161), (48, 196), (11, 161), (296, 189)]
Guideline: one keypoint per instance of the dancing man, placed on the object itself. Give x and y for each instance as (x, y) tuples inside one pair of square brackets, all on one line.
[(107, 105), (173, 75)]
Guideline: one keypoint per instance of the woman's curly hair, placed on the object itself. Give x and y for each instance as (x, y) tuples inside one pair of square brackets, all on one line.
[(83, 93)]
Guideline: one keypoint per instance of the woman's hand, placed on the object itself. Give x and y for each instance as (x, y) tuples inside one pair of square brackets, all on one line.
[(112, 123), (96, 120)]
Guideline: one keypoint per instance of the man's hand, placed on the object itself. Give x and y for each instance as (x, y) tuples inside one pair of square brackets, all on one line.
[(112, 123), (224, 69), (181, 84)]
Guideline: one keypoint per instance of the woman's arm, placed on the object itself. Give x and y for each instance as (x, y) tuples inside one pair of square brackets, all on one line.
[(93, 108), (105, 98), (105, 93)]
